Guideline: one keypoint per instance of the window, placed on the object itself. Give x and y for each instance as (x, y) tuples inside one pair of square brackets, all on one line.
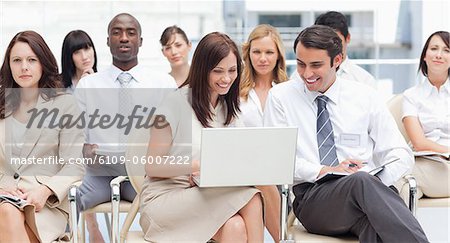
[(292, 20)]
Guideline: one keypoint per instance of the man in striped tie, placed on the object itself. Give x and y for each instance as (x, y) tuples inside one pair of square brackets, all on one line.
[(344, 127)]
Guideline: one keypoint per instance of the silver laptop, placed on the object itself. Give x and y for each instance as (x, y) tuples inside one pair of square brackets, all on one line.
[(247, 156)]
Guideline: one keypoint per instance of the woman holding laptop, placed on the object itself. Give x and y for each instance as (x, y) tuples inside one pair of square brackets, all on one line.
[(172, 207)]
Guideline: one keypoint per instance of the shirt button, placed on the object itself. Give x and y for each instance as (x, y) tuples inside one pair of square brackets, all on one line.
[(16, 176)]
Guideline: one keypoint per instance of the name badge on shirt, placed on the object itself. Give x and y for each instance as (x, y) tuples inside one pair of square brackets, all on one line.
[(348, 139)]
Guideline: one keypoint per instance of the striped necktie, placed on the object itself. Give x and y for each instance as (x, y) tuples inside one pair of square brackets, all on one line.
[(325, 135), (125, 100), (124, 79)]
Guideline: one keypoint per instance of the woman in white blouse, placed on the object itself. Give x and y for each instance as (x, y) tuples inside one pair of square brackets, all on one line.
[(265, 65), (176, 47), (426, 115)]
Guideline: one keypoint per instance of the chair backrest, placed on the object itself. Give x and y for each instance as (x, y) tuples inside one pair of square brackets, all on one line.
[(135, 157), (395, 105)]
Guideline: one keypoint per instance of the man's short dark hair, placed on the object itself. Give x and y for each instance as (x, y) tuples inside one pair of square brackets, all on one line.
[(335, 20), (138, 25), (320, 37)]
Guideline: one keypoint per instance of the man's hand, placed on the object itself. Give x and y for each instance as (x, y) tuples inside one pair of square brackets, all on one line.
[(37, 196), (89, 150), (349, 166)]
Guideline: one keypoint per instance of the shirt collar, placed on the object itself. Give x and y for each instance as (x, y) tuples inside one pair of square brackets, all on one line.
[(429, 88), (135, 71), (332, 93), (344, 66), (446, 86)]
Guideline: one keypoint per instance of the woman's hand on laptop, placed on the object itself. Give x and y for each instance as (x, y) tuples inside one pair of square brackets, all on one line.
[(191, 179), (195, 165)]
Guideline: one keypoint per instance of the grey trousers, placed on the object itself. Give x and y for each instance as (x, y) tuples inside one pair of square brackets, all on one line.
[(358, 204), (95, 188)]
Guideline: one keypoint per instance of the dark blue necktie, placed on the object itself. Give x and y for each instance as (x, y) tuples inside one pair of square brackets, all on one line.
[(325, 135)]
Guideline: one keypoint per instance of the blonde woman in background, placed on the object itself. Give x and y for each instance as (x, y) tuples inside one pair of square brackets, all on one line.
[(265, 66), (426, 115), (176, 47)]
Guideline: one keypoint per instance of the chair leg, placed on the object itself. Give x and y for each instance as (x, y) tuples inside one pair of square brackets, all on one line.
[(412, 185), (73, 213), (115, 205), (285, 237), (108, 224), (83, 228)]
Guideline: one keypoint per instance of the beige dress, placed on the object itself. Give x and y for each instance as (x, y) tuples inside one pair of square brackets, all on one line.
[(49, 224), (171, 210)]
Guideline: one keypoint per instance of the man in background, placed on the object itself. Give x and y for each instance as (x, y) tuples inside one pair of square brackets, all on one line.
[(347, 70)]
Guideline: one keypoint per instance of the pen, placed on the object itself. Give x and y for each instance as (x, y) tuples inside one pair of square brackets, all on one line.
[(354, 165)]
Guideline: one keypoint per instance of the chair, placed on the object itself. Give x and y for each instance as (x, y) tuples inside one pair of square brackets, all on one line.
[(292, 230), (113, 207), (138, 142), (395, 107), (297, 232)]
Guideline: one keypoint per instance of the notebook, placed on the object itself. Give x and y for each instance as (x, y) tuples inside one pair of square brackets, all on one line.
[(335, 175), (18, 202), (434, 156)]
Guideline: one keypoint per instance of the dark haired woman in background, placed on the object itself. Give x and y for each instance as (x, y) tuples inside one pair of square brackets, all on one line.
[(176, 47), (426, 115), (78, 58)]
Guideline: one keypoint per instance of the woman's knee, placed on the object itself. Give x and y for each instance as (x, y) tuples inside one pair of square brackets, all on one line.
[(10, 215), (236, 227), (269, 191), (255, 203)]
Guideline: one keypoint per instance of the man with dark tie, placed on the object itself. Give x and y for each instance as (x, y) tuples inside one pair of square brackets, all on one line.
[(114, 92), (344, 127)]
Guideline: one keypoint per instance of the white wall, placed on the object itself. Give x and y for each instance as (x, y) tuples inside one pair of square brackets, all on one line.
[(54, 19), (435, 17)]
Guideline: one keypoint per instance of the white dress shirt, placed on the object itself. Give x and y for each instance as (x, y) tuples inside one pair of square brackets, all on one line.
[(70, 89), (186, 128), (363, 127), (432, 108), (349, 71), (18, 136), (101, 91), (251, 110)]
